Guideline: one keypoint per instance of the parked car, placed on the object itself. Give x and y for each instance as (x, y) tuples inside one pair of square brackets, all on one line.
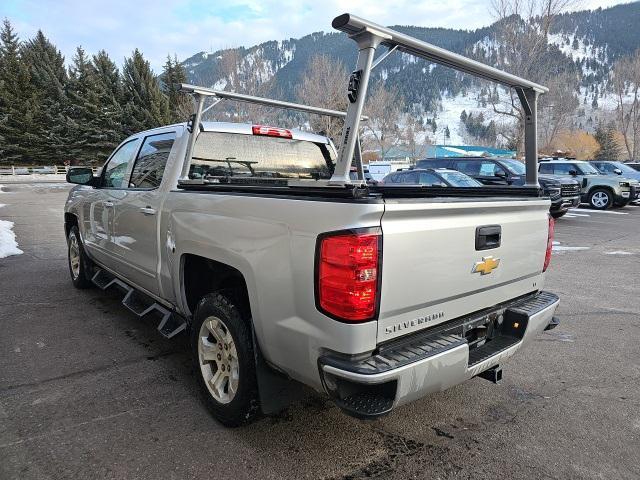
[(564, 194), (600, 191), (375, 295), (21, 171), (381, 168), (634, 165), (609, 167), (432, 177)]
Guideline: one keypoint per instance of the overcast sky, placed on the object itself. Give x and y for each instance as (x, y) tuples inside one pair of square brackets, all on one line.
[(185, 27)]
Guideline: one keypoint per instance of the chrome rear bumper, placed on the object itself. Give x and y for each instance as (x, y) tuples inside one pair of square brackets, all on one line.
[(427, 362)]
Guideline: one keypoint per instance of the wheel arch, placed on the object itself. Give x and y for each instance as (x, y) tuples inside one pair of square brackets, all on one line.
[(202, 275), (70, 219), (609, 188)]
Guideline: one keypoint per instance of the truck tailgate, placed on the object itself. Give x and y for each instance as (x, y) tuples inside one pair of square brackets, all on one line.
[(429, 255)]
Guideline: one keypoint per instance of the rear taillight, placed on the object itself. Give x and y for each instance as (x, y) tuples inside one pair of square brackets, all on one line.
[(271, 131), (347, 274), (547, 256)]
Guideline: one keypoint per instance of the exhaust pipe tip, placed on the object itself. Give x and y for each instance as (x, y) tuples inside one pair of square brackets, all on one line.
[(494, 374)]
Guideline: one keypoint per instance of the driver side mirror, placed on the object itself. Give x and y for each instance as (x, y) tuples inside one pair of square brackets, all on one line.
[(617, 171), (501, 174), (573, 173), (80, 176)]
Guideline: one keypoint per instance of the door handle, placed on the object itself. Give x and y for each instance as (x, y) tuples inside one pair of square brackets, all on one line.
[(108, 204), (488, 237), (148, 210)]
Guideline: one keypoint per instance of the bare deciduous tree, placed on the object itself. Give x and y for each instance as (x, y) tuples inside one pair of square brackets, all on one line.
[(324, 85), (244, 75), (384, 108), (414, 137), (523, 31), (556, 108), (626, 86)]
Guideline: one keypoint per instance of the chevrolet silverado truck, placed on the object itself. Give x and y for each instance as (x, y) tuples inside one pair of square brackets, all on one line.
[(284, 270), (564, 194), (600, 190)]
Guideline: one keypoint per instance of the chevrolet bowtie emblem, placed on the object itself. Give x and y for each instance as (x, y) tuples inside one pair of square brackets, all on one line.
[(486, 266)]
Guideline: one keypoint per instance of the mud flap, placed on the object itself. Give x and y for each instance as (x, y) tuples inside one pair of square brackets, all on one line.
[(277, 392)]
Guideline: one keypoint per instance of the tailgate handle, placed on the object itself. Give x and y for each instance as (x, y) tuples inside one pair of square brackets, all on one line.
[(488, 237)]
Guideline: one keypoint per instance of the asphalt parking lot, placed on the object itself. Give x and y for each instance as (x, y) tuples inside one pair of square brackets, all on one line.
[(89, 391)]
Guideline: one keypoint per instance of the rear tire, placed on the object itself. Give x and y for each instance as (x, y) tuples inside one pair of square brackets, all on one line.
[(600, 199), (80, 267), (222, 352)]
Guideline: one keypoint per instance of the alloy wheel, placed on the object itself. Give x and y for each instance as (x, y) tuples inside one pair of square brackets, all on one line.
[(218, 359)]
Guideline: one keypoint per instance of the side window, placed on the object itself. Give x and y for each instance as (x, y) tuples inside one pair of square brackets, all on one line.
[(468, 167), (546, 168), (429, 179), (409, 177), (490, 169), (563, 168), (116, 167), (149, 167)]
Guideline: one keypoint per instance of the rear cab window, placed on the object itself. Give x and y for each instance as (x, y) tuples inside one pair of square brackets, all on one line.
[(239, 158)]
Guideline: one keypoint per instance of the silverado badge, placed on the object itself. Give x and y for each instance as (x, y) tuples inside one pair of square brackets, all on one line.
[(486, 266)]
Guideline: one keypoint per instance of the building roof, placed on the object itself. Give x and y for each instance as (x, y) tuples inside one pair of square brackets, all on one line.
[(442, 151)]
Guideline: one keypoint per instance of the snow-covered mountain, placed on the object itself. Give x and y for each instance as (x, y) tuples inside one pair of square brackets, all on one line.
[(589, 42)]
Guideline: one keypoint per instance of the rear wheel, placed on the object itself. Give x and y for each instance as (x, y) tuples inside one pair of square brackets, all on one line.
[(222, 351), (600, 198), (79, 264)]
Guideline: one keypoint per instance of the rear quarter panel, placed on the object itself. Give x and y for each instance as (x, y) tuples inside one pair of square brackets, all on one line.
[(272, 242)]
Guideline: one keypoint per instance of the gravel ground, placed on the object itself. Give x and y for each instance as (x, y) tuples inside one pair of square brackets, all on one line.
[(89, 391)]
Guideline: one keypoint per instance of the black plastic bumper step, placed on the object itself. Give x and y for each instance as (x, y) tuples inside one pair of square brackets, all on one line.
[(365, 405), (491, 348)]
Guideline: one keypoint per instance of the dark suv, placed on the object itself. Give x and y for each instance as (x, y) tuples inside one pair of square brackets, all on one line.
[(564, 194)]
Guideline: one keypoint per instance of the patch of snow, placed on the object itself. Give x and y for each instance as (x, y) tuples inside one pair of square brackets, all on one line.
[(449, 115), (8, 244), (556, 247), (220, 84), (562, 248), (598, 211)]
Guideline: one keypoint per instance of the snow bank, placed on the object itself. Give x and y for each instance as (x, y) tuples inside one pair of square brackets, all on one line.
[(8, 244)]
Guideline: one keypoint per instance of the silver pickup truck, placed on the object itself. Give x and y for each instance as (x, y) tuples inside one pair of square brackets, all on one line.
[(284, 270)]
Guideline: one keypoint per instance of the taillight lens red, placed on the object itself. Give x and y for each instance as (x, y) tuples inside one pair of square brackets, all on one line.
[(547, 257), (271, 131), (347, 275)]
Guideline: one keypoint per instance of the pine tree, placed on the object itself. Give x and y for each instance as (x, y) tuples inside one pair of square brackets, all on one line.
[(46, 141), (92, 134), (145, 105), (180, 105), (16, 98), (110, 95), (609, 148)]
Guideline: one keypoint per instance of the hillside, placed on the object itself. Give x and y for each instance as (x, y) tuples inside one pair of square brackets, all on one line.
[(585, 42)]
